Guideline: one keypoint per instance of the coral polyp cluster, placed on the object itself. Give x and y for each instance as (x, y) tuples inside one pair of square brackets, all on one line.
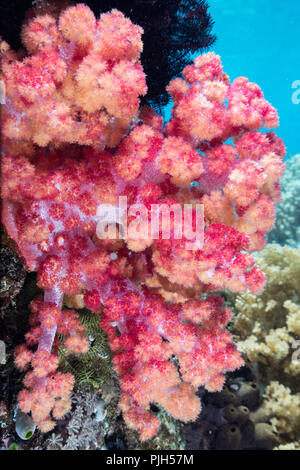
[(82, 79), (75, 144), (152, 332)]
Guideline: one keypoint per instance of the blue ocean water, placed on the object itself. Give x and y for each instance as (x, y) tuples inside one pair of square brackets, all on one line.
[(260, 39)]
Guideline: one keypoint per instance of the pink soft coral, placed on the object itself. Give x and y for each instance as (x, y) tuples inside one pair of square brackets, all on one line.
[(74, 143)]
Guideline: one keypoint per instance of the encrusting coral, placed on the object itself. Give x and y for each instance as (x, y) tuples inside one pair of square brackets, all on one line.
[(75, 144), (267, 329)]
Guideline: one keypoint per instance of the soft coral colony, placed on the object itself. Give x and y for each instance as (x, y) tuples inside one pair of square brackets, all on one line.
[(74, 138)]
